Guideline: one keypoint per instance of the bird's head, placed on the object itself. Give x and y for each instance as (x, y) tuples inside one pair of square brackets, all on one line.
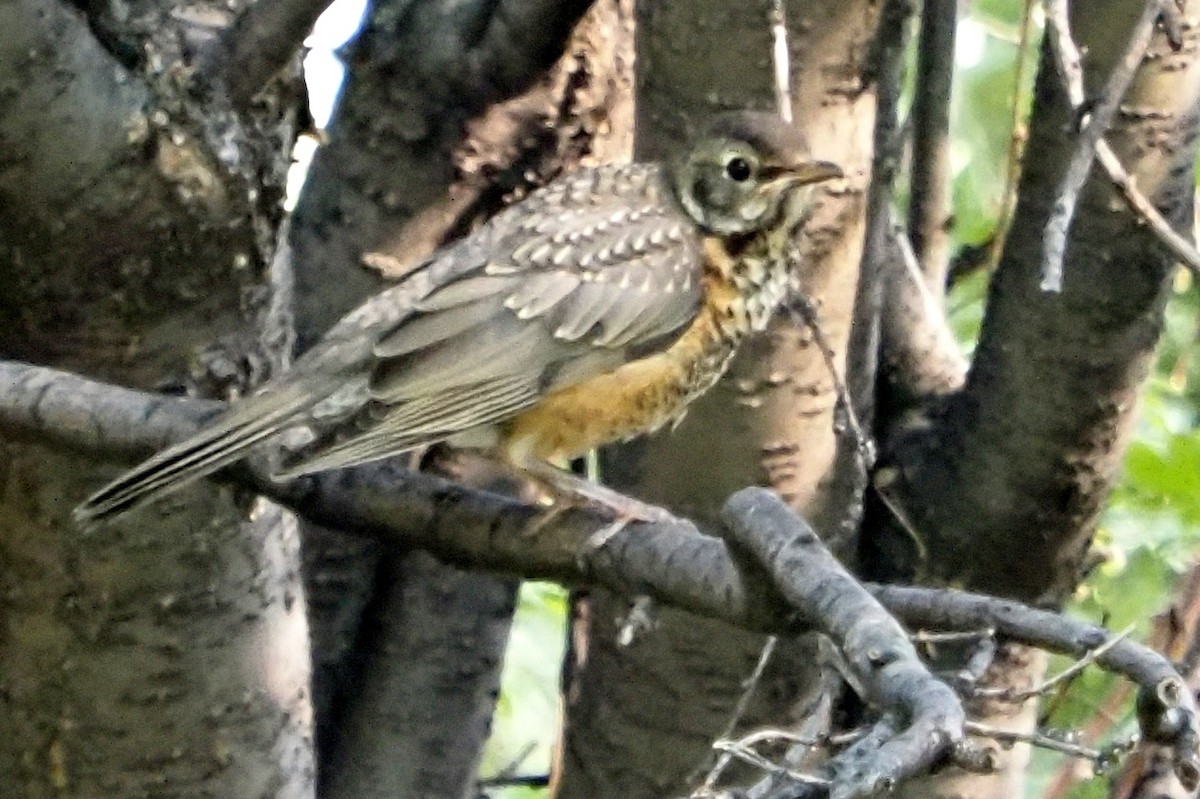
[(747, 172)]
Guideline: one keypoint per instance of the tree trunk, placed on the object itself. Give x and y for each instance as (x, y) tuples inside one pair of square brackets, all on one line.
[(166, 653)]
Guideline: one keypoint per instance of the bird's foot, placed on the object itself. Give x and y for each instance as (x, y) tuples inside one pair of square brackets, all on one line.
[(572, 490)]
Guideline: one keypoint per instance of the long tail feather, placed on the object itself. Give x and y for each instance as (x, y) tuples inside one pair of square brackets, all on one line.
[(226, 440)]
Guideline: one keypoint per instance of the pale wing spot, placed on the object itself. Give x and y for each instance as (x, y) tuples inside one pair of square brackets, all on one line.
[(562, 255)]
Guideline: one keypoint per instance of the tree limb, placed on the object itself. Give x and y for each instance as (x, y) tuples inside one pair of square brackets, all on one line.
[(877, 649), (481, 530), (1013, 470)]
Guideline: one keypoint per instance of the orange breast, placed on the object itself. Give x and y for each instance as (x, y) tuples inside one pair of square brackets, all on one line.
[(638, 397)]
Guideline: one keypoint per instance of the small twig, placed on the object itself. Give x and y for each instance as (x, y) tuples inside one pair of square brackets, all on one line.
[(1180, 247), (739, 710), (1038, 739), (517, 781), (956, 636), (510, 769), (781, 60), (1054, 244), (755, 759), (731, 750), (1008, 694), (864, 444), (929, 202)]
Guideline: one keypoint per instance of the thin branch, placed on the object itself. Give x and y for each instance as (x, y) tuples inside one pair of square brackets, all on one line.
[(1016, 141), (1067, 57), (747, 755), (929, 199), (1166, 708), (1100, 118), (1008, 694), (259, 43), (781, 60), (845, 416), (748, 688), (1049, 742), (1179, 246), (921, 359), (922, 637)]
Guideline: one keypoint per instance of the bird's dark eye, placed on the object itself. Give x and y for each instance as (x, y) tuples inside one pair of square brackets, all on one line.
[(738, 169)]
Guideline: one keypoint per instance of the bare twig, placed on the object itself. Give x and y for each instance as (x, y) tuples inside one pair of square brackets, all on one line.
[(864, 444), (929, 203), (1166, 708), (748, 688), (1101, 758), (1180, 247), (1054, 244), (1008, 694), (1068, 59), (923, 637), (1016, 141), (781, 60), (747, 755), (921, 357)]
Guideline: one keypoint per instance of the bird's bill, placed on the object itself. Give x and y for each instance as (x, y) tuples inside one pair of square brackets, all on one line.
[(815, 172), (803, 173)]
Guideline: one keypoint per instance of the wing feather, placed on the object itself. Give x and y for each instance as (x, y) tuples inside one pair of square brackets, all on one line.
[(424, 421)]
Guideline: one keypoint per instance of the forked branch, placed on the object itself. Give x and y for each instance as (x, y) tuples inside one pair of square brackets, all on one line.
[(786, 582)]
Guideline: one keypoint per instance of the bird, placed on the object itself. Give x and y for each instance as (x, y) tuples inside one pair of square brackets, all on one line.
[(591, 311)]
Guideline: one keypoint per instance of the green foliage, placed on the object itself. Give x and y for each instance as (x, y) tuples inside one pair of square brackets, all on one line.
[(526, 722)]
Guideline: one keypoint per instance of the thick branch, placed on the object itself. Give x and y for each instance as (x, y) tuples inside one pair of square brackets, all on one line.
[(403, 509), (483, 530), (877, 649)]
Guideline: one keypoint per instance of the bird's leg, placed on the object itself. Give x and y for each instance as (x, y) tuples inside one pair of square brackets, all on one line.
[(485, 473), (539, 483)]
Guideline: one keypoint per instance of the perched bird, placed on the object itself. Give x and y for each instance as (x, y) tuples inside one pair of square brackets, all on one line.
[(593, 310)]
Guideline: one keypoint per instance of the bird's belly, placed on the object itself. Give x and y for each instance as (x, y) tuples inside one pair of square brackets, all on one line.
[(636, 398)]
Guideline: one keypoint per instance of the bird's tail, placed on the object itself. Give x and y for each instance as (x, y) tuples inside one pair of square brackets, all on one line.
[(227, 439)]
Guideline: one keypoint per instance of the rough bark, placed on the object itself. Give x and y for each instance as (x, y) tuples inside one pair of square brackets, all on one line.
[(132, 232), (1005, 488), (644, 715)]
